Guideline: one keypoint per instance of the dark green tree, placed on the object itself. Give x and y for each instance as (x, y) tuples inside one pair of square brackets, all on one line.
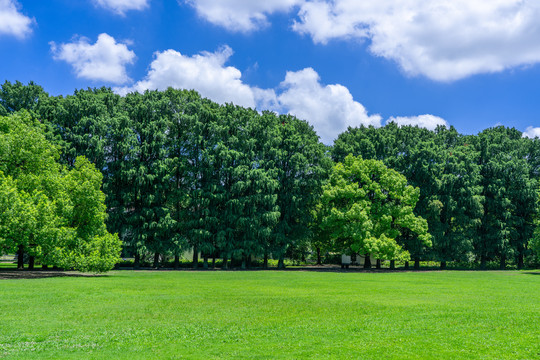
[(17, 96), (302, 167), (150, 215), (510, 196)]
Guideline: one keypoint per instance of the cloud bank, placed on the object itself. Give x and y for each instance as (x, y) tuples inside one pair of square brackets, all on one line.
[(444, 40)]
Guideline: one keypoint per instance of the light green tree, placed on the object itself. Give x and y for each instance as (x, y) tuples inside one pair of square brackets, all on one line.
[(52, 213), (366, 206)]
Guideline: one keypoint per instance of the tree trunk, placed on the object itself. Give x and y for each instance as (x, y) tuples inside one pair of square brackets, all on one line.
[(45, 267), (520, 261), (156, 260), (20, 257), (367, 262), (443, 265), (214, 261), (319, 259), (406, 265), (176, 261), (248, 260), (31, 261), (137, 261), (195, 257), (265, 261), (225, 264), (281, 262), (378, 264), (205, 262), (502, 265), (416, 264), (483, 262), (243, 262), (392, 264)]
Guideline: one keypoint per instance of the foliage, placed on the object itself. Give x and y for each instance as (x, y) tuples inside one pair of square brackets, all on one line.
[(365, 206), (180, 171), (54, 214)]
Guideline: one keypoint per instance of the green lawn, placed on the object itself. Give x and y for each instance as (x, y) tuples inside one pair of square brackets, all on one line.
[(273, 314)]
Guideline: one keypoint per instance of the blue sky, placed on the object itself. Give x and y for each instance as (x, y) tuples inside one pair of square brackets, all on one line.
[(472, 64)]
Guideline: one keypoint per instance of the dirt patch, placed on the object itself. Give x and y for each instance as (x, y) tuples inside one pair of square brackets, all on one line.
[(14, 274)]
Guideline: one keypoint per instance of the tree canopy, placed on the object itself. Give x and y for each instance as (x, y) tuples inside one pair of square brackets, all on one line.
[(181, 172), (366, 206), (55, 214)]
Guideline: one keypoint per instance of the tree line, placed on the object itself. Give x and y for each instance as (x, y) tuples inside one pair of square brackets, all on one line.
[(478, 193), (181, 172)]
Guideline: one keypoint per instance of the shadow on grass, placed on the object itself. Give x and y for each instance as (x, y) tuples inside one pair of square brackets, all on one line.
[(14, 274), (311, 268), (532, 272)]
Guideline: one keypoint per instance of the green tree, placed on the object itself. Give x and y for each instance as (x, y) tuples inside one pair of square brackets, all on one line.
[(456, 210), (510, 196), (249, 186), (200, 178), (149, 214), (365, 207), (17, 96), (56, 214), (302, 167), (410, 150)]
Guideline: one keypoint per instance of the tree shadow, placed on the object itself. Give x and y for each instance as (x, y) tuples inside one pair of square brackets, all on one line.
[(15, 274)]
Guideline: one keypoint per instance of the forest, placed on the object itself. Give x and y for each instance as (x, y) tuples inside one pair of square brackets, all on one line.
[(168, 171)]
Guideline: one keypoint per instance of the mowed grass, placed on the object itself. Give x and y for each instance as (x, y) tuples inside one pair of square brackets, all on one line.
[(273, 315)]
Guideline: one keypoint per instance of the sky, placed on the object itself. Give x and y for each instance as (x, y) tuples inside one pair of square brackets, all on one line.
[(471, 64)]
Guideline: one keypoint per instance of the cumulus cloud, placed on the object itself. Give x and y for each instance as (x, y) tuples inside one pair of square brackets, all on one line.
[(205, 72), (238, 15), (427, 121), (532, 132), (329, 108), (12, 22), (106, 60), (444, 40), (121, 6)]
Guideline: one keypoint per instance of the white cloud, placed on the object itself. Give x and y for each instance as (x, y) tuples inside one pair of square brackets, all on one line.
[(106, 60), (12, 22), (205, 72), (532, 132), (240, 15), (329, 108), (121, 6), (427, 121), (444, 40)]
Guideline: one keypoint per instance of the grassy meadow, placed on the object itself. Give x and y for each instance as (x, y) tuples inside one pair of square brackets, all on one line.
[(272, 314)]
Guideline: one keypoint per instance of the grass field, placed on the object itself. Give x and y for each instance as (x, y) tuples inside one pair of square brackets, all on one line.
[(272, 314)]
